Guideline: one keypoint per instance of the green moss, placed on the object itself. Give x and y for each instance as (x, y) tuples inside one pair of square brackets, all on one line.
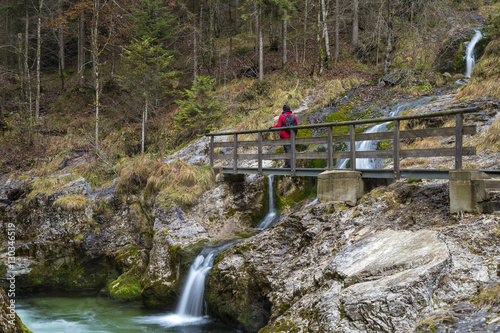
[(383, 144), (77, 276), (281, 326), (127, 287), (284, 307), (302, 188)]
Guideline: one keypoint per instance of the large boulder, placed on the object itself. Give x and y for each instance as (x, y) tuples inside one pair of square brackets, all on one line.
[(389, 278)]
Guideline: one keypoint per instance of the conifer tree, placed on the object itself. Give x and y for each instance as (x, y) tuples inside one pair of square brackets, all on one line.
[(147, 72)]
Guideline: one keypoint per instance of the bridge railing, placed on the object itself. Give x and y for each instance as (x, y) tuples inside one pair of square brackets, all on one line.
[(395, 134)]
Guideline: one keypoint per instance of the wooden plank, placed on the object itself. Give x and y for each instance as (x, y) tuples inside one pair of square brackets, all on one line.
[(459, 141), (360, 122), (329, 148), (408, 134), (235, 154), (435, 152), (298, 156), (293, 161), (212, 139), (352, 134), (259, 163), (395, 128)]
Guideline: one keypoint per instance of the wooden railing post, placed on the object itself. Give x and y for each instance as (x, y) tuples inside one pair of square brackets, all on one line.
[(329, 149), (397, 172), (235, 154), (352, 133), (259, 163), (292, 152), (459, 140), (212, 140)]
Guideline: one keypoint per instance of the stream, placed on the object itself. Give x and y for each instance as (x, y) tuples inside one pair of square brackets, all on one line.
[(101, 315)]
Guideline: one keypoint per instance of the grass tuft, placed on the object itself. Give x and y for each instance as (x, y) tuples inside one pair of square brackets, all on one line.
[(73, 202), (176, 182)]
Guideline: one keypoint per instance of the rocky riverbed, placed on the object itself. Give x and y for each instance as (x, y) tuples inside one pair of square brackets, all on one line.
[(396, 261)]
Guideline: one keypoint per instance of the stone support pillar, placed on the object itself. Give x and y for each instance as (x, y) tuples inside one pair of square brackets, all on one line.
[(340, 185), (467, 191)]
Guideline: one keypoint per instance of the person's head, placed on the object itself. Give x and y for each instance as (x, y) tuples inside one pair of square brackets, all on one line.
[(286, 108)]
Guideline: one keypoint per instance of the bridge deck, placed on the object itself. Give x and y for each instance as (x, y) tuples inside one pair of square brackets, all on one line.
[(373, 173), (228, 149)]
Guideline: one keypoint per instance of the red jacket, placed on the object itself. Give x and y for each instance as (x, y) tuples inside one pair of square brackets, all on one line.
[(281, 121)]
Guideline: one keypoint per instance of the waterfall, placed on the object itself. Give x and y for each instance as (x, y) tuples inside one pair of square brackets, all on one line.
[(370, 145), (190, 308), (271, 215), (191, 302), (469, 52)]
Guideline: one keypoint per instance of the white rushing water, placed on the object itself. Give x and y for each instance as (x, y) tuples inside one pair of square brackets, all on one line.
[(190, 310), (272, 214), (469, 52), (370, 145)]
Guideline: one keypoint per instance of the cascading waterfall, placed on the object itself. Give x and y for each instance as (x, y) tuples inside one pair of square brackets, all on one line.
[(271, 215), (190, 308), (370, 145), (469, 52), (191, 302)]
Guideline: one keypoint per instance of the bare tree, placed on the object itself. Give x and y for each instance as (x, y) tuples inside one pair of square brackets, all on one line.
[(284, 51), (95, 66), (355, 23), (326, 40), (390, 36), (38, 56), (261, 45), (81, 47)]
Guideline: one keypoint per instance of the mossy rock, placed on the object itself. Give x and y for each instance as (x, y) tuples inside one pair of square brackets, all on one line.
[(164, 293), (127, 287), (77, 276), (291, 190), (241, 302)]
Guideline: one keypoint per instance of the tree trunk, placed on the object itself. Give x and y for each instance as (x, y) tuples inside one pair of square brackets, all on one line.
[(324, 14), (261, 46), (230, 40), (21, 68), (390, 37), (27, 76), (337, 24), (38, 56), (236, 23), (355, 23), (284, 51), (195, 55), (81, 46), (305, 29), (256, 11), (144, 120), (95, 67), (62, 62), (211, 33), (319, 40)]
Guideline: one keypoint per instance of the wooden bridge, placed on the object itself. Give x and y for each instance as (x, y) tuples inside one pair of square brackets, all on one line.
[(259, 139)]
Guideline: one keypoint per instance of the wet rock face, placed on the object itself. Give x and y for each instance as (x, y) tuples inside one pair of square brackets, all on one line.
[(386, 265), (389, 277), (9, 320)]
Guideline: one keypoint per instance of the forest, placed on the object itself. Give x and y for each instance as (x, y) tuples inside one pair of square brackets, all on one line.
[(124, 77)]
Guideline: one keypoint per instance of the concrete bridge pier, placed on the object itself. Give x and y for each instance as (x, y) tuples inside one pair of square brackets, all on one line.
[(340, 185), (474, 192)]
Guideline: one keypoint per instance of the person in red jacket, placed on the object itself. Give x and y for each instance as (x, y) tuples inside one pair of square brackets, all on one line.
[(285, 119)]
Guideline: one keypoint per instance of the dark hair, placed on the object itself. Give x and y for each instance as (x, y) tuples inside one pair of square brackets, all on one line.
[(286, 108)]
